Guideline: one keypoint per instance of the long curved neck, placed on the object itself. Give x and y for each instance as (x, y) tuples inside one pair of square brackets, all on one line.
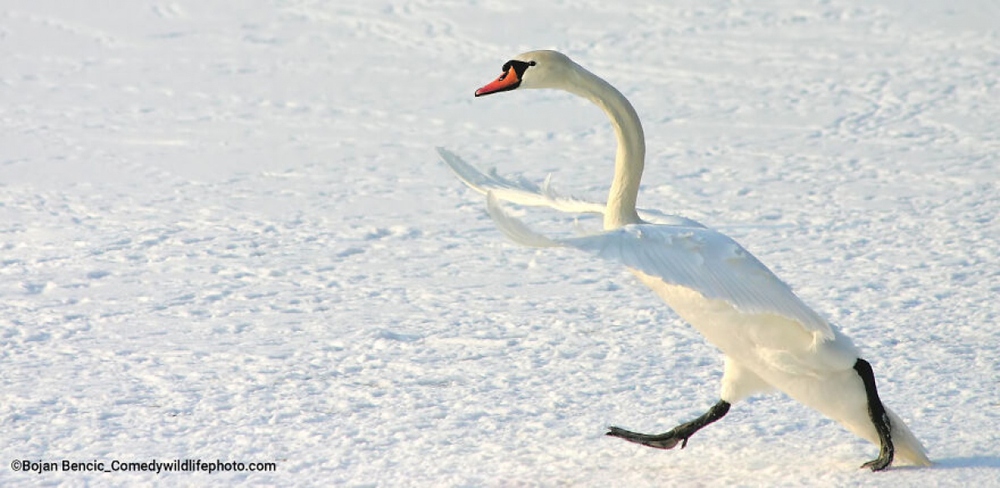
[(631, 153)]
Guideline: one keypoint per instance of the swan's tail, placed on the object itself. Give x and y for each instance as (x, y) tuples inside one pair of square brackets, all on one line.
[(907, 448), (906, 444)]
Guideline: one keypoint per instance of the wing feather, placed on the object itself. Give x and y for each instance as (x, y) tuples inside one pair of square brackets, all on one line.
[(697, 258), (523, 192), (706, 261)]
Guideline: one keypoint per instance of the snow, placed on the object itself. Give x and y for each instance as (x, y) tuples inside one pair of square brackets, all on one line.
[(225, 235)]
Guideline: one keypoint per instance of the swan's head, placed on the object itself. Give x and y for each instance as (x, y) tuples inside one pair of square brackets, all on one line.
[(533, 69)]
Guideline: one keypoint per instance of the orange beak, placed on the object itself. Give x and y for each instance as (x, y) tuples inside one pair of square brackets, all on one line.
[(506, 81)]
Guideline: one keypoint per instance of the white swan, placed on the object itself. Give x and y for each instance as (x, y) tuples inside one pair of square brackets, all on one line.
[(770, 338)]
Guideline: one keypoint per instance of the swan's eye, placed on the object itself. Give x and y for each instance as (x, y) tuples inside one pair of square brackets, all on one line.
[(531, 63)]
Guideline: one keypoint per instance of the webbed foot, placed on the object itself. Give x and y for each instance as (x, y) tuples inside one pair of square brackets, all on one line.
[(679, 434), (667, 440)]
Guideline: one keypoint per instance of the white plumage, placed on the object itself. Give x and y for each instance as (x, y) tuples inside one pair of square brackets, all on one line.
[(771, 339)]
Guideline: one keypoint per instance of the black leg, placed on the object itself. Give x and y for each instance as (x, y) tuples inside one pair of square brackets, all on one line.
[(668, 440), (877, 413)]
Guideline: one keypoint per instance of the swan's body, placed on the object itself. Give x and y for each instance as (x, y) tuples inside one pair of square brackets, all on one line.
[(770, 338)]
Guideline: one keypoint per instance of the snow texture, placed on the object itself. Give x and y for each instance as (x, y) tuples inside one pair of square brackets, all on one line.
[(225, 234)]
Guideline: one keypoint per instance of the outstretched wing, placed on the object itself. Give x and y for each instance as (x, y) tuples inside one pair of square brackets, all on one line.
[(697, 258), (525, 193)]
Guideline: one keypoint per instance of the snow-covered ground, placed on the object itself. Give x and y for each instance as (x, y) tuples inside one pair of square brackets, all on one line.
[(226, 235)]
